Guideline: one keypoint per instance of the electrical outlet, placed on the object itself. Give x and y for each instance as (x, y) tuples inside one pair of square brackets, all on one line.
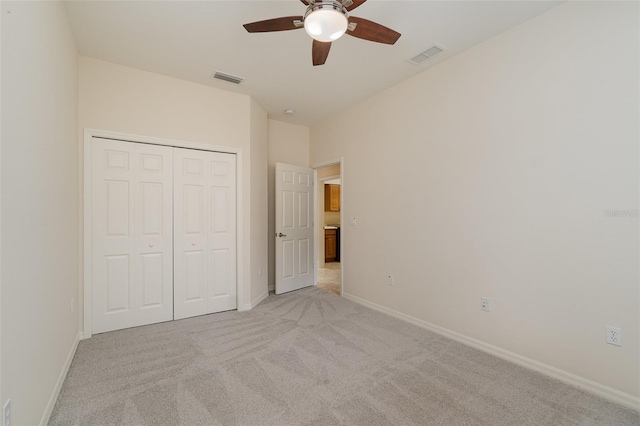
[(353, 221), (485, 304), (614, 336), (260, 271), (392, 280), (6, 413)]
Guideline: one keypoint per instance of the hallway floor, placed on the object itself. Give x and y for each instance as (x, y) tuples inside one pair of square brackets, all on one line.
[(329, 277)]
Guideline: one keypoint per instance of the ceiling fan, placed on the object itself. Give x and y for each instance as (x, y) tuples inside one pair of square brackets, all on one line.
[(326, 21)]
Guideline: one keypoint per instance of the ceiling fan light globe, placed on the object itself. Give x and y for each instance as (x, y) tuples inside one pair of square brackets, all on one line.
[(336, 35), (313, 29), (326, 24)]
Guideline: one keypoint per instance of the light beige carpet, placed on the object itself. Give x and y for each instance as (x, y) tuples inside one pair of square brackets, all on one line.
[(329, 278), (309, 358)]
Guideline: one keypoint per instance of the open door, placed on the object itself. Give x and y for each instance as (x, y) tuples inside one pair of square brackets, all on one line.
[(294, 227)]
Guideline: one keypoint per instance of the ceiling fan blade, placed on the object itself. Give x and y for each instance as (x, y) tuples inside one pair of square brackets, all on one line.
[(306, 3), (369, 30), (319, 52), (355, 4), (277, 24)]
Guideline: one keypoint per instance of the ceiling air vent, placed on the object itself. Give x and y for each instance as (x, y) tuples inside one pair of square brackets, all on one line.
[(227, 77), (432, 51)]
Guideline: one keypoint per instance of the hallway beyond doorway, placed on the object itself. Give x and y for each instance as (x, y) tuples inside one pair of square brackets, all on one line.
[(329, 277)]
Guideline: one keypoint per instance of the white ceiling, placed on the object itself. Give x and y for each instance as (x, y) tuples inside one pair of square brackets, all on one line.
[(191, 39)]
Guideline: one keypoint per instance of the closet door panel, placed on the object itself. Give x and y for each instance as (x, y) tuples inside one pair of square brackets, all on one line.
[(118, 284), (131, 234), (204, 232), (154, 234), (151, 267), (222, 232), (194, 276), (113, 236), (190, 237)]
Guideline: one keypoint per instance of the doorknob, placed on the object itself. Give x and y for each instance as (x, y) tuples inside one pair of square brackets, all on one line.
[(150, 245), (193, 243), (280, 234)]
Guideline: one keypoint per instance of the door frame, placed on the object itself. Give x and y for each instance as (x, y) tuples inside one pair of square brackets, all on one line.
[(86, 253), (317, 221)]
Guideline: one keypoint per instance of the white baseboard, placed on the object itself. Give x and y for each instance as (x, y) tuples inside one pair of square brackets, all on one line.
[(260, 299), (607, 392), (56, 390), (249, 306)]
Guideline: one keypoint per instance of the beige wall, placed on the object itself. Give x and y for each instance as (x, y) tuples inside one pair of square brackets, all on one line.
[(1, 399), (259, 193), (489, 175), (126, 100), (39, 204), (288, 143)]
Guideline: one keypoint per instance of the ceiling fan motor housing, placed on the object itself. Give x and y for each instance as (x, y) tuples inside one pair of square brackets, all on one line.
[(326, 21)]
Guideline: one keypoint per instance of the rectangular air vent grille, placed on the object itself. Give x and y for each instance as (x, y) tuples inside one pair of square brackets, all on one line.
[(227, 77), (429, 53)]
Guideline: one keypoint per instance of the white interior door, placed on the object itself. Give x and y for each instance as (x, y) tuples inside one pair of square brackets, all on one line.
[(132, 244), (294, 227), (204, 232)]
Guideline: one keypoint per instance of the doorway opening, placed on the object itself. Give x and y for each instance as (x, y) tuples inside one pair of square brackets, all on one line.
[(329, 184)]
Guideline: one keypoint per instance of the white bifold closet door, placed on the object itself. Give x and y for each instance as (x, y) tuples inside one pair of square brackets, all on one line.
[(132, 238), (204, 232)]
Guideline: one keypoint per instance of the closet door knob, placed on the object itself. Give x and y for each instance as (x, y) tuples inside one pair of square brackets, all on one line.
[(150, 245), (193, 243)]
